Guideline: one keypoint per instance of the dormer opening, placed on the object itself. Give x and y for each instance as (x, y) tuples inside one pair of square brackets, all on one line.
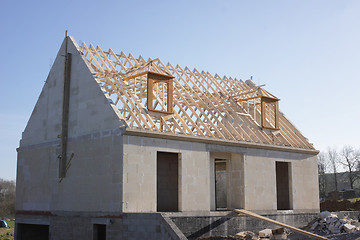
[(270, 113), (159, 86), (261, 105), (159, 93)]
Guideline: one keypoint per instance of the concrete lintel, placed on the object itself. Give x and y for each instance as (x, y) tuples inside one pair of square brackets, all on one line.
[(40, 221), (180, 137)]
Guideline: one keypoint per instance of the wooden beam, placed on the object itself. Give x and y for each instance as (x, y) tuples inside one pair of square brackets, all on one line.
[(251, 214)]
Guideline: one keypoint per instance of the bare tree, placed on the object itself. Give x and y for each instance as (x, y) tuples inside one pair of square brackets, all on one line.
[(350, 160), (333, 157), (7, 198), (322, 167)]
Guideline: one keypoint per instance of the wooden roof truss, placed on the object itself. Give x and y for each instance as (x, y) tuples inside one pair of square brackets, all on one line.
[(190, 102)]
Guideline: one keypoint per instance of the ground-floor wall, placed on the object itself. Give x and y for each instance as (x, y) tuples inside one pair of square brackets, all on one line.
[(92, 226), (260, 181), (198, 225), (140, 174), (152, 226), (93, 180), (254, 178)]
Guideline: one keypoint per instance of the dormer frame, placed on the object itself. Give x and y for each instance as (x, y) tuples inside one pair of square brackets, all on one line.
[(154, 78), (266, 101)]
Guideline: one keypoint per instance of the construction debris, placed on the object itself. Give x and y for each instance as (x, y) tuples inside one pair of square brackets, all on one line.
[(265, 233), (334, 226), (330, 223), (251, 214), (247, 235), (279, 233)]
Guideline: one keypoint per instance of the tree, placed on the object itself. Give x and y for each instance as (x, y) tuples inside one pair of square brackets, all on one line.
[(350, 160), (7, 198), (322, 167), (333, 157)]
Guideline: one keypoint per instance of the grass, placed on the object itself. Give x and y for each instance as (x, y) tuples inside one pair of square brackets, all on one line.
[(353, 199), (8, 233)]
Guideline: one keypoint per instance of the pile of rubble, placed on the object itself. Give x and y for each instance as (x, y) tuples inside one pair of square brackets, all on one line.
[(330, 223), (278, 233), (337, 226)]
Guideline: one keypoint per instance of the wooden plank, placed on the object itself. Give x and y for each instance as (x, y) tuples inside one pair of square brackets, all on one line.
[(251, 214)]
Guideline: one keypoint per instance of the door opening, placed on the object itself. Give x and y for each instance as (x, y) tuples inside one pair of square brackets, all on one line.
[(99, 232), (220, 184), (167, 182), (32, 231), (283, 185)]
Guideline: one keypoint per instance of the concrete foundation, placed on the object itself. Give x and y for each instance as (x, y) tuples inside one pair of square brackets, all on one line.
[(229, 223), (152, 226), (80, 226)]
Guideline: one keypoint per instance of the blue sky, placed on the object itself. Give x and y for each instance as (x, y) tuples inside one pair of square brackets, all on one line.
[(306, 52)]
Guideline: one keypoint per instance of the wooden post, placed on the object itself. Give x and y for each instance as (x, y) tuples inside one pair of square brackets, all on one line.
[(263, 113), (276, 114), (150, 86), (170, 96)]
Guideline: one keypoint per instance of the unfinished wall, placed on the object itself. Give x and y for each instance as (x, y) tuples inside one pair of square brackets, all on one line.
[(251, 176), (234, 177), (82, 226), (140, 154), (260, 181), (94, 176)]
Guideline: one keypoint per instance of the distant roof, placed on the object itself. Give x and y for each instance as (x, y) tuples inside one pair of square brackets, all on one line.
[(156, 97)]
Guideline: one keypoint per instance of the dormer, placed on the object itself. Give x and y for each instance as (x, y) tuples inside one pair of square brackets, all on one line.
[(261, 105), (159, 86)]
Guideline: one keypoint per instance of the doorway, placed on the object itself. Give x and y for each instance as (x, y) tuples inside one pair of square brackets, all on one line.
[(32, 232), (167, 184), (283, 185), (99, 232), (220, 184)]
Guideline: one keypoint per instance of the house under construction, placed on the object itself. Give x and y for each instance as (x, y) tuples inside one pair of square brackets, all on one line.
[(119, 147)]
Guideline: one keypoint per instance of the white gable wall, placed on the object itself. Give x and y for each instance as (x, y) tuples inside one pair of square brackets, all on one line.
[(94, 178)]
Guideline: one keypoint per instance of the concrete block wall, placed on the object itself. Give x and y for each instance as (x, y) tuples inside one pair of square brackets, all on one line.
[(140, 155), (260, 181), (251, 176), (93, 181), (128, 226), (229, 223), (90, 110), (94, 178)]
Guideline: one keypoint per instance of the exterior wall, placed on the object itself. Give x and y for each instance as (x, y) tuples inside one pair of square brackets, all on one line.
[(235, 179), (80, 226), (196, 225), (94, 177), (251, 176), (93, 181), (260, 181), (140, 173)]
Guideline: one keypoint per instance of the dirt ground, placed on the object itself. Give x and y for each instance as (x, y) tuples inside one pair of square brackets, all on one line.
[(295, 236)]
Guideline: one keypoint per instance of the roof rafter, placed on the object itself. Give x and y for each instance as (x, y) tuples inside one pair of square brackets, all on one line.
[(203, 104)]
